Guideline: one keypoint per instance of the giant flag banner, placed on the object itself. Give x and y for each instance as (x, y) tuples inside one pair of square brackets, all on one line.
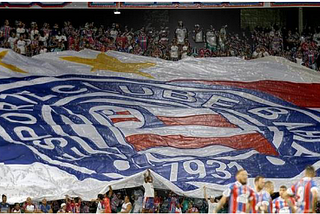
[(76, 122)]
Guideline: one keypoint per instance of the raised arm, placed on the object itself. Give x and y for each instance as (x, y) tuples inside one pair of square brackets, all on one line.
[(205, 193), (146, 175), (67, 198), (110, 191), (151, 178)]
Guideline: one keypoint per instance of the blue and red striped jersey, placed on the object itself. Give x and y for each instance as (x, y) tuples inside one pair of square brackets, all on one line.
[(280, 205), (239, 197), (261, 198), (302, 191)]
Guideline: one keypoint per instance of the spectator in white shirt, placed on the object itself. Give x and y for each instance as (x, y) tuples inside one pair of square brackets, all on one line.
[(210, 200), (29, 207), (264, 52), (34, 30), (257, 54), (126, 206), (21, 45), (60, 37), (148, 202), (44, 38), (16, 208), (12, 40), (21, 29)]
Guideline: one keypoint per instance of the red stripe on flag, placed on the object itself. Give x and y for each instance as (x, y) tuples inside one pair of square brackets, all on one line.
[(214, 120), (300, 94), (246, 141), (118, 120), (123, 113)]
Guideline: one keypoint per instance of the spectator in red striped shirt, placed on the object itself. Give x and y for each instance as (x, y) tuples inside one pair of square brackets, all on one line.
[(6, 29)]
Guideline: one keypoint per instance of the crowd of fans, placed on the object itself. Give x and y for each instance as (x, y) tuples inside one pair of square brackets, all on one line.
[(32, 40), (134, 200), (238, 197), (163, 202)]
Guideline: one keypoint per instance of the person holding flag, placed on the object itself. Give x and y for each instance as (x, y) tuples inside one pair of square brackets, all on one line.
[(148, 202)]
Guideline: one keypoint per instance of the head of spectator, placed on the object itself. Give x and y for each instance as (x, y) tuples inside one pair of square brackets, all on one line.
[(119, 195), (16, 207), (63, 207), (192, 208), (113, 26), (78, 200), (44, 201), (100, 197), (29, 201), (13, 34), (6, 22), (190, 205), (126, 199), (34, 25), (212, 199), (197, 27), (4, 199)]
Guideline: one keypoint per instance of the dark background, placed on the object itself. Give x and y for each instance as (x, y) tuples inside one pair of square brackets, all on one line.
[(137, 18), (131, 17), (236, 19)]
